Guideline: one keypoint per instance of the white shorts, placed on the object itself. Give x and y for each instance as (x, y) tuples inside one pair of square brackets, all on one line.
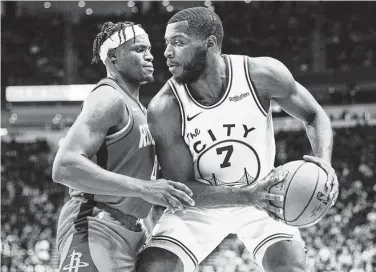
[(194, 235)]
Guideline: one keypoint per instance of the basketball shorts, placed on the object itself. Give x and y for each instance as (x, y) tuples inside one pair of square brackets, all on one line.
[(89, 239), (194, 235)]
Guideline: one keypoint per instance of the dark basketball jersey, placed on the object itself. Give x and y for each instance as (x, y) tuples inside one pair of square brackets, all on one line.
[(130, 152)]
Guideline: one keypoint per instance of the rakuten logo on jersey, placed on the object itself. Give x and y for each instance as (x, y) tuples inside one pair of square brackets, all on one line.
[(237, 98)]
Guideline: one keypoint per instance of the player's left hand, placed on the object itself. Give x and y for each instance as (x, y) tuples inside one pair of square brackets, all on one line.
[(262, 197), (332, 183)]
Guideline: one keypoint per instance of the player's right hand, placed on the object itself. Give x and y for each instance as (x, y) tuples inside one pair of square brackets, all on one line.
[(170, 194), (261, 195)]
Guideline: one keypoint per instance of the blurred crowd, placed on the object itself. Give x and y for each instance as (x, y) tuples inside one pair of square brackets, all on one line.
[(30, 205), (350, 35), (306, 36), (32, 50), (342, 242)]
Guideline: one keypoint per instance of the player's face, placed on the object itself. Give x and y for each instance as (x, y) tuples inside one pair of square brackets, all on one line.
[(135, 61), (186, 55)]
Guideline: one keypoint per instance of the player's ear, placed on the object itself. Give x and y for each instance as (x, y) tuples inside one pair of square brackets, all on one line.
[(211, 42), (111, 55)]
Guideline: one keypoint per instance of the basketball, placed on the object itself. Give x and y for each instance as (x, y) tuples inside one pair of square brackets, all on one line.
[(306, 199)]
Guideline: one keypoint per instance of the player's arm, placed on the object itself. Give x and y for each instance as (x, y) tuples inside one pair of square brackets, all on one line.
[(297, 101), (73, 167), (176, 160)]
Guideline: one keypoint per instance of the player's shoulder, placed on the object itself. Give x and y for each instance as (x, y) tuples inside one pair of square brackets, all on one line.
[(270, 75), (163, 113), (266, 66), (106, 92), (103, 95), (103, 102), (163, 102)]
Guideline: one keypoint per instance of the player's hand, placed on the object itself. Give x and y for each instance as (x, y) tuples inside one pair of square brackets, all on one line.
[(332, 183), (262, 196), (170, 194)]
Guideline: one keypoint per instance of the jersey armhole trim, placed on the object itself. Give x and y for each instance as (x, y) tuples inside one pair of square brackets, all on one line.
[(117, 136), (182, 113), (252, 87)]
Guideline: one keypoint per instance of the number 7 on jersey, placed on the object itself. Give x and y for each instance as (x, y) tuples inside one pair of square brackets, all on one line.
[(228, 149)]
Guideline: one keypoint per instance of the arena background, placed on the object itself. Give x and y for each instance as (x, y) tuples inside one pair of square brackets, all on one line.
[(46, 71)]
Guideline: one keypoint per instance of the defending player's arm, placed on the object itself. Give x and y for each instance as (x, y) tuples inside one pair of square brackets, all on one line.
[(299, 103), (72, 167), (176, 160)]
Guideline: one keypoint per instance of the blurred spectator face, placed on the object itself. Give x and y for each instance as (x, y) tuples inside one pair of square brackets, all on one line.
[(6, 227), (186, 55), (358, 185), (134, 60), (42, 250), (371, 216), (324, 254)]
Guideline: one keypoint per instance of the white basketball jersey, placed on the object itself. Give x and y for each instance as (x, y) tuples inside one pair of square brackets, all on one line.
[(231, 142)]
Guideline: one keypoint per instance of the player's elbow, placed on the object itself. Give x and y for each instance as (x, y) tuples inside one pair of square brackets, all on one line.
[(310, 119), (57, 171), (318, 117), (60, 169)]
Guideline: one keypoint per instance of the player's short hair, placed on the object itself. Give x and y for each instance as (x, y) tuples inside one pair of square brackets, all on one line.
[(107, 30), (202, 22)]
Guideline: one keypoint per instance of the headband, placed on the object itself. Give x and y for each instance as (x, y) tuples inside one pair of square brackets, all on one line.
[(114, 41)]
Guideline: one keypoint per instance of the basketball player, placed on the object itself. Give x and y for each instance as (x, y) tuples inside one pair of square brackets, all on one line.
[(212, 125), (108, 161)]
